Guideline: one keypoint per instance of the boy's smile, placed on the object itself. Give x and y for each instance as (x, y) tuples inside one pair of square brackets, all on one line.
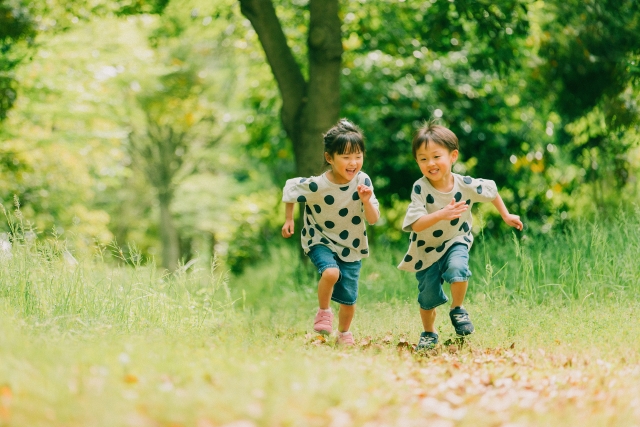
[(435, 163)]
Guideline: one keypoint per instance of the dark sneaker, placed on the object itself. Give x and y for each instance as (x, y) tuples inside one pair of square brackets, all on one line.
[(428, 340), (460, 321)]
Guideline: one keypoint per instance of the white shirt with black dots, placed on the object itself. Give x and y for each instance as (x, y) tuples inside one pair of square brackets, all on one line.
[(427, 246), (334, 214)]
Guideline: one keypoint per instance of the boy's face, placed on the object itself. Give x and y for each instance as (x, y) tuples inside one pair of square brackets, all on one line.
[(435, 161)]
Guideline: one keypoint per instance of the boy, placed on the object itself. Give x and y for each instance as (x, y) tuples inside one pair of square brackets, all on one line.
[(439, 219)]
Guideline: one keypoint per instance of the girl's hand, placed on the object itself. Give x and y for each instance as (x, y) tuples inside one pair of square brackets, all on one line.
[(513, 221), (454, 210), (287, 228), (364, 192)]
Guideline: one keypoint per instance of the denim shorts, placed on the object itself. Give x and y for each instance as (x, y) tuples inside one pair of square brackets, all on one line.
[(452, 267), (345, 291)]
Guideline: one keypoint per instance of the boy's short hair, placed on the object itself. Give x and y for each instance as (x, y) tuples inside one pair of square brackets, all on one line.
[(431, 132)]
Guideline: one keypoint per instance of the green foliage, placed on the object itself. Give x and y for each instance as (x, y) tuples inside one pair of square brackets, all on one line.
[(67, 153), (17, 28), (490, 72), (595, 42)]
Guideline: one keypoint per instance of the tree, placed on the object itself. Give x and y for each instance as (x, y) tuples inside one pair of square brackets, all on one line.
[(17, 28), (175, 122), (309, 107), (591, 52)]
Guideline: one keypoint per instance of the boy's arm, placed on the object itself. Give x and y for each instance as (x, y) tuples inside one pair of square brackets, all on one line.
[(288, 227), (510, 219), (452, 211)]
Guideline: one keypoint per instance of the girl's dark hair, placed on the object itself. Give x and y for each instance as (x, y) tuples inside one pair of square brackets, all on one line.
[(343, 138), (432, 132)]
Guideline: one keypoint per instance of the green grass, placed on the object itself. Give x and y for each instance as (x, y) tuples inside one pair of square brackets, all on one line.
[(96, 344)]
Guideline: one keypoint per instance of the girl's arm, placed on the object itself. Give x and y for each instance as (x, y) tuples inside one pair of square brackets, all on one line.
[(452, 211), (371, 213), (288, 227), (512, 220)]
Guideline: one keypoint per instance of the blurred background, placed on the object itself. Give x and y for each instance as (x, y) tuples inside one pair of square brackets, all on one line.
[(158, 127)]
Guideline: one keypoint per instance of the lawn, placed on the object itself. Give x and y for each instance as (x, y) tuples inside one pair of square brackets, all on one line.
[(96, 344)]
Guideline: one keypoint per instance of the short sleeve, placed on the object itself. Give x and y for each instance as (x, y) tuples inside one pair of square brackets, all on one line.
[(484, 190), (299, 190), (416, 209)]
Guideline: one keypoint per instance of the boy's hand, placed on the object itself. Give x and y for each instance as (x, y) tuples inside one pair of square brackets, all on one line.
[(287, 228), (454, 210), (513, 221), (364, 192)]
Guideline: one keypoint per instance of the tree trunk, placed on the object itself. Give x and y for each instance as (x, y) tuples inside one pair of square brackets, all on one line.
[(322, 109), (169, 236), (308, 108)]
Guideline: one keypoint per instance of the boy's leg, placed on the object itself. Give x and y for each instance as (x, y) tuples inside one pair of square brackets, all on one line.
[(428, 320), (345, 316), (459, 316), (456, 272), (458, 292), (430, 295)]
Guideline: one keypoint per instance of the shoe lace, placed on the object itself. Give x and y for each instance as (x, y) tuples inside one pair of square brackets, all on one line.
[(464, 317), (427, 341)]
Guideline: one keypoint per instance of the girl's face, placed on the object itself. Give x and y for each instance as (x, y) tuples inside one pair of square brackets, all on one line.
[(344, 166), (435, 163)]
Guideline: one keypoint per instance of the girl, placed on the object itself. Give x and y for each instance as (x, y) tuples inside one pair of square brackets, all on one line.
[(333, 234)]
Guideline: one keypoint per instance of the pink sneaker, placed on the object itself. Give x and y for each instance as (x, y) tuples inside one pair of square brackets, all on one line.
[(323, 322), (345, 339)]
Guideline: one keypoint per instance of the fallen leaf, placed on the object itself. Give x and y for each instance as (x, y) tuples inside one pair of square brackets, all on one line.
[(365, 342), (402, 344), (130, 379), (5, 392)]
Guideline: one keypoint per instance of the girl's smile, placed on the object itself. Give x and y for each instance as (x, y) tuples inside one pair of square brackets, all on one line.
[(344, 167)]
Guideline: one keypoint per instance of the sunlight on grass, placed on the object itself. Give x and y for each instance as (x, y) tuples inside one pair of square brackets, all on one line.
[(94, 343)]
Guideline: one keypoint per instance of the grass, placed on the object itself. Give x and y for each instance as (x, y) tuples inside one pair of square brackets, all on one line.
[(91, 343)]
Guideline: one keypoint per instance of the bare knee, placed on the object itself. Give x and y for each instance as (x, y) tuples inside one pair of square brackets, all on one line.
[(331, 275)]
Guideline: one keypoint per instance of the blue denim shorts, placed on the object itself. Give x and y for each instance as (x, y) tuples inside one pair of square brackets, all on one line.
[(452, 267), (345, 290)]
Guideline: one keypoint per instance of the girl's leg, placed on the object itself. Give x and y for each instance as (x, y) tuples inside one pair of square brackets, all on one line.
[(345, 316), (325, 286), (458, 292), (428, 320)]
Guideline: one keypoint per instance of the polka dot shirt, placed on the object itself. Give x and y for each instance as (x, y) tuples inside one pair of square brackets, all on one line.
[(427, 246), (333, 216)]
